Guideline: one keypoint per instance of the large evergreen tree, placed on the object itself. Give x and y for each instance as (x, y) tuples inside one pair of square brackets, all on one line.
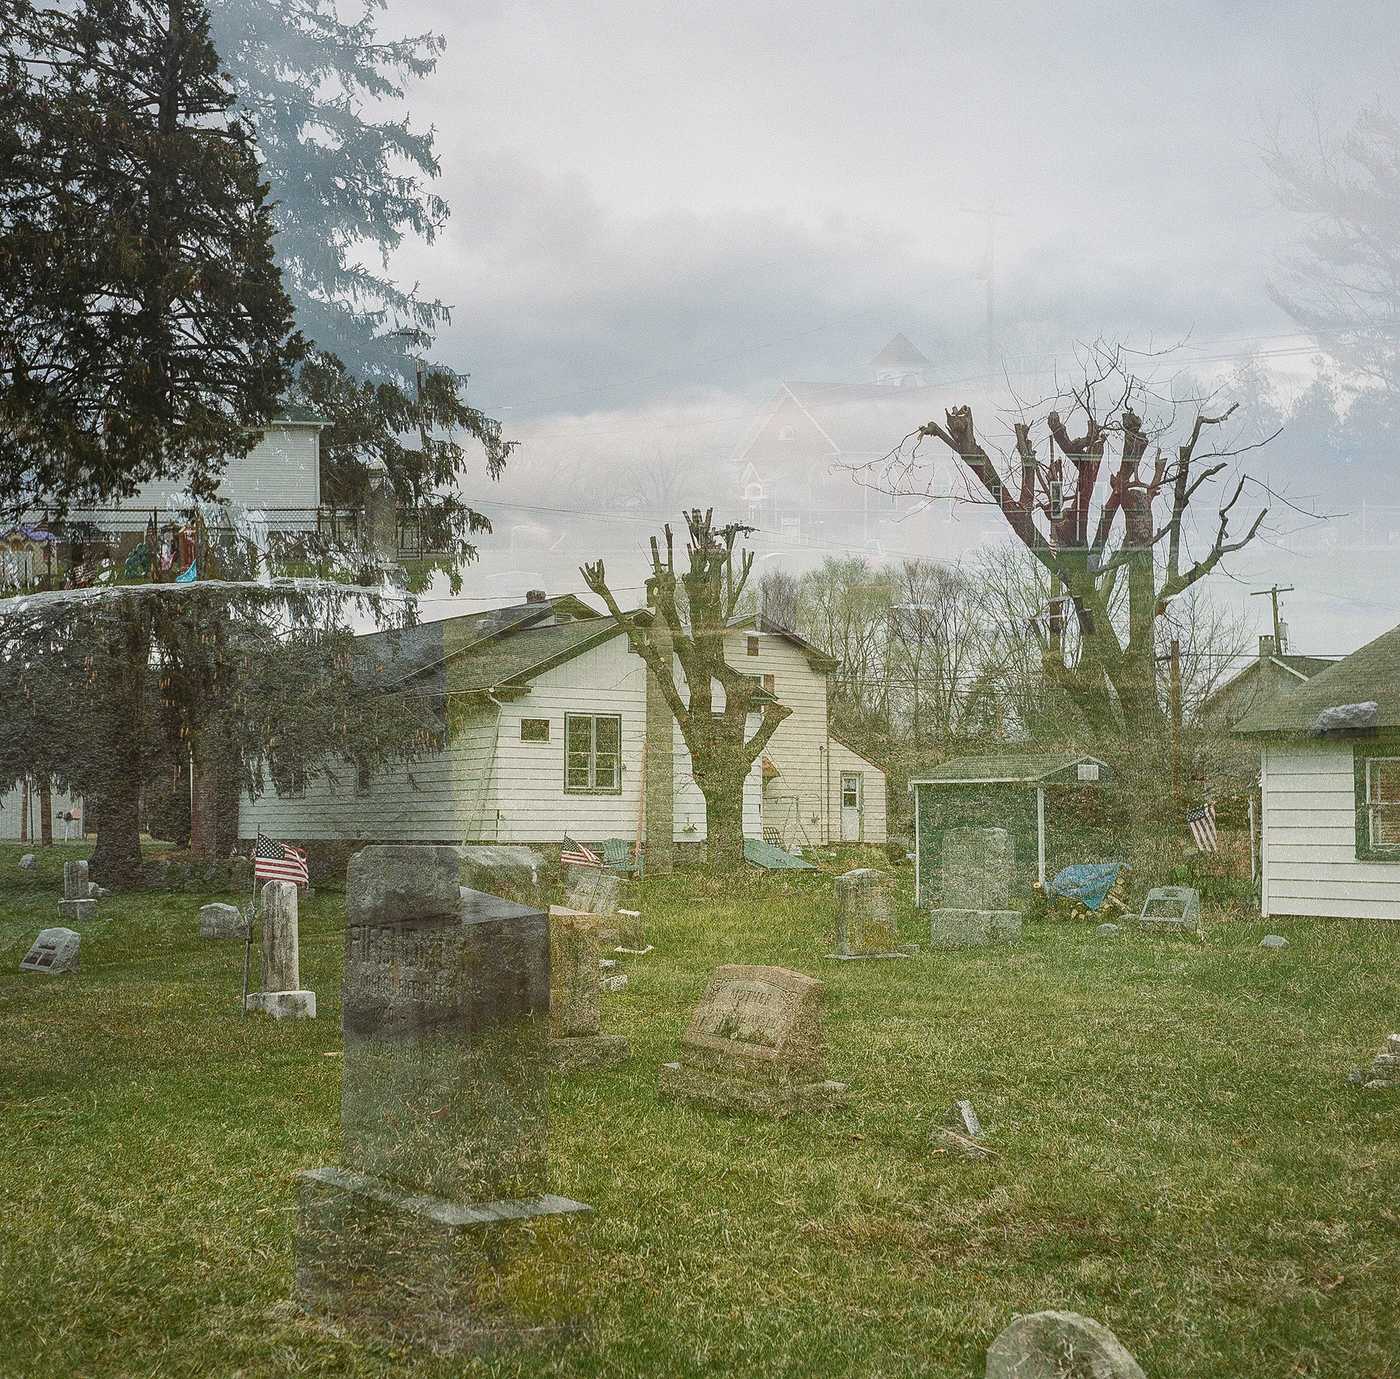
[(144, 331)]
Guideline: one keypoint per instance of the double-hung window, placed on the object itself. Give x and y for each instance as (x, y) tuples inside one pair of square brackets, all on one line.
[(592, 754), (1383, 802)]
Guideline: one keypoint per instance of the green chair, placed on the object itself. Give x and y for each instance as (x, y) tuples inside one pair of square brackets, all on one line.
[(618, 855)]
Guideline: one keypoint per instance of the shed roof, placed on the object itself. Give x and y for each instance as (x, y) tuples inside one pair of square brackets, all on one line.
[(1373, 672), (1008, 768)]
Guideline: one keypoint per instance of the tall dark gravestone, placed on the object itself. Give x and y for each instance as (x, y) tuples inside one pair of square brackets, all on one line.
[(444, 1113)]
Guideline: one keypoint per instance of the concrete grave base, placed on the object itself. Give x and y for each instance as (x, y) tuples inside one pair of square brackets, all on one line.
[(284, 1005), (450, 1275), (709, 1087), (973, 928), (77, 909), (581, 1052), (867, 957)]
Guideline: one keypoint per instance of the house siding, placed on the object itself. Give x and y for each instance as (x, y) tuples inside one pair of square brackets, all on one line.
[(1309, 838), (11, 813), (283, 470), (873, 823)]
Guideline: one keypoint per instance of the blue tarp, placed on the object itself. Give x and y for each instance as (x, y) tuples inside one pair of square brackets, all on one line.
[(1087, 882)]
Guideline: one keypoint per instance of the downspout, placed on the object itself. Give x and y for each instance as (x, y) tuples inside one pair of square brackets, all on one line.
[(1040, 833), (491, 773)]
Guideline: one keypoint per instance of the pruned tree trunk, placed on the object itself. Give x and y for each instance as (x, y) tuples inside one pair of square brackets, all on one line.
[(117, 856), (724, 818)]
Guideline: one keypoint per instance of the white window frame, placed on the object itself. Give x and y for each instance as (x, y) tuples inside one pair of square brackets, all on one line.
[(592, 788)]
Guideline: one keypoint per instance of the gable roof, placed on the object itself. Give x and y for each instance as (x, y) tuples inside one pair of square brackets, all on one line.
[(900, 350), (1007, 768), (1372, 672), (819, 659), (1302, 667), (510, 662)]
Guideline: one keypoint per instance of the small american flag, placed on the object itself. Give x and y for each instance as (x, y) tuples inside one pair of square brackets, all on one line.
[(1202, 825), (274, 861), (575, 854)]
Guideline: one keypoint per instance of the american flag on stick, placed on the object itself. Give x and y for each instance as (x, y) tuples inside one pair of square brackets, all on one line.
[(1201, 822), (575, 854), (274, 861)]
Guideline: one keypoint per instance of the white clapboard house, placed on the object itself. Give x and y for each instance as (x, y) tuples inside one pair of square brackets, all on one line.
[(551, 710), (1331, 796)]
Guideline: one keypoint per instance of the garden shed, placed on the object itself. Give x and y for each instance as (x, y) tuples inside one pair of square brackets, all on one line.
[(1024, 793)]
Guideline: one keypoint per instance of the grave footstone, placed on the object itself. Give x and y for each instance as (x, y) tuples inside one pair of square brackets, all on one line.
[(1108, 930), (631, 934), (53, 951), (77, 902), (576, 1037), (755, 1043), (282, 996), (513, 873), (220, 921), (433, 1228), (977, 867), (613, 983), (1173, 909), (28, 862), (1059, 1345), (865, 916), (1273, 941)]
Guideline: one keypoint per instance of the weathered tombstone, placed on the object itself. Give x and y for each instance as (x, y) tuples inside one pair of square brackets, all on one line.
[(1108, 930), (614, 982), (444, 1113), (1175, 908), (576, 1037), (631, 934), (220, 921), (55, 950), (28, 862), (963, 1118), (77, 902), (592, 890), (513, 873), (282, 996), (1059, 1345), (1384, 1070), (865, 915), (1273, 941), (755, 1043), (977, 866)]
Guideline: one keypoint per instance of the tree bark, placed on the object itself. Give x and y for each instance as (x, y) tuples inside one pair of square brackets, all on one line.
[(724, 820), (117, 856), (46, 811)]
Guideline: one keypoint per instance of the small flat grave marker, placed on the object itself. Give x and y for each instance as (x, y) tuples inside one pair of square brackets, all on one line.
[(1176, 908)]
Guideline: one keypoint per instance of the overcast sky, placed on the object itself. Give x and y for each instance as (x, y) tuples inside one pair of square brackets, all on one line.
[(655, 205)]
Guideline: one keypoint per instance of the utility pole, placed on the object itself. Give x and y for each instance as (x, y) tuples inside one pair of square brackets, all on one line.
[(1273, 594), (991, 213)]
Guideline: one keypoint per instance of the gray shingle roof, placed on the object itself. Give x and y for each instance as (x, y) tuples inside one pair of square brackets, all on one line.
[(1373, 672), (517, 658)]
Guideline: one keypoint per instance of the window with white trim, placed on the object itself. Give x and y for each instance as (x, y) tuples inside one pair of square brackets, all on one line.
[(592, 754)]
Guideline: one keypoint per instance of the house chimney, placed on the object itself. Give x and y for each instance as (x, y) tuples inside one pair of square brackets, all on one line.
[(536, 596), (1266, 647)]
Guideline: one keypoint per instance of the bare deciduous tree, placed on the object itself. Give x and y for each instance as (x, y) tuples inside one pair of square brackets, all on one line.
[(721, 747)]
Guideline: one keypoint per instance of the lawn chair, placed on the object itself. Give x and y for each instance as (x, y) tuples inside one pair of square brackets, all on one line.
[(773, 835), (620, 856)]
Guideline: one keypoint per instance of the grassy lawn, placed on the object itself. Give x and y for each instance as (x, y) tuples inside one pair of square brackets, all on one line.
[(1179, 1153)]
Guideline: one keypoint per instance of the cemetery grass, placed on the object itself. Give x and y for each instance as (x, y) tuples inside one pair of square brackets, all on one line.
[(1179, 1154)]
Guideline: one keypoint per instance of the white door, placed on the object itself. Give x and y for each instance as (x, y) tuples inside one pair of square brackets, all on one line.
[(852, 806)]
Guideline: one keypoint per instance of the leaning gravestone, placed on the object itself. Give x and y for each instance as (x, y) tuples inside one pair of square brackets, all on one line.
[(1176, 909), (755, 1043), (77, 902), (592, 890), (864, 915), (444, 1111), (55, 950), (977, 867), (1059, 1345), (513, 873), (282, 996), (576, 1038), (220, 921)]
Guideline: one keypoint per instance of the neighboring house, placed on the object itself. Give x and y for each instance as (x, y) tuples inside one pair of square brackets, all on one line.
[(792, 475), (1271, 675), (21, 821), (1331, 802), (550, 708), (816, 788)]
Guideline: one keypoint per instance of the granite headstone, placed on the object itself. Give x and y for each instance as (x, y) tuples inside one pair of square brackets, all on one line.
[(282, 996), (53, 951), (576, 1037), (865, 925), (977, 867)]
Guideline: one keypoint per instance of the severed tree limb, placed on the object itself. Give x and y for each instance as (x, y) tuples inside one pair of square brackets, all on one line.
[(1181, 582)]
